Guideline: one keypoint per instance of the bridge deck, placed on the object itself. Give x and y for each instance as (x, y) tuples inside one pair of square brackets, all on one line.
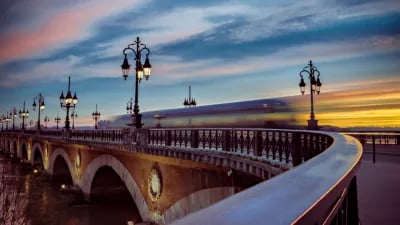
[(379, 185)]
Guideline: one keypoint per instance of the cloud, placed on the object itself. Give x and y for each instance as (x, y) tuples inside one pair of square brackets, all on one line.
[(59, 30), (169, 70), (286, 57)]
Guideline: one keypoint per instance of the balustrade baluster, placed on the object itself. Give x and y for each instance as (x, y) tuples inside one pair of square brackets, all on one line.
[(185, 138), (267, 144), (195, 138), (296, 149), (280, 146), (161, 137), (226, 137), (154, 136), (247, 142), (180, 138), (286, 147), (168, 138), (258, 143), (307, 146), (273, 145), (209, 139), (203, 139)]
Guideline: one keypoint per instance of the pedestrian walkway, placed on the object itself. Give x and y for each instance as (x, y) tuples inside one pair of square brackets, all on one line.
[(384, 149), (379, 188)]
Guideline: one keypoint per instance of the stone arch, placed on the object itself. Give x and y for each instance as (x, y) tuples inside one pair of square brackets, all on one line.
[(2, 142), (123, 173), (31, 154), (23, 152), (196, 201), (61, 152), (14, 147), (7, 145)]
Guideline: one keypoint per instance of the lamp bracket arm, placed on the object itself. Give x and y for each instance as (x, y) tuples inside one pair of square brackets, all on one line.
[(304, 71), (145, 48), (316, 71), (128, 48)]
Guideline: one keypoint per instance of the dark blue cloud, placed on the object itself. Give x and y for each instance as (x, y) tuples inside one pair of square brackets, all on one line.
[(351, 2), (162, 5), (222, 46)]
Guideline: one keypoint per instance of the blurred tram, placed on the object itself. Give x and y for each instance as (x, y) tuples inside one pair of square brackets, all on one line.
[(262, 113)]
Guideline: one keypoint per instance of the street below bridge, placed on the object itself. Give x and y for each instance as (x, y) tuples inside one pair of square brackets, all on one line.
[(379, 186)]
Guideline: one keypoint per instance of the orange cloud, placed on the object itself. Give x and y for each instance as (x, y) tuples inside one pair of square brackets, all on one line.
[(377, 105), (59, 30)]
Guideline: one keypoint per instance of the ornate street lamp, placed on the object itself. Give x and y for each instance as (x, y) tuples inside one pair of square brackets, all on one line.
[(73, 116), (13, 114), (96, 117), (315, 86), (57, 120), (129, 106), (7, 119), (141, 70), (1, 122), (23, 114), (68, 102), (41, 104), (46, 121)]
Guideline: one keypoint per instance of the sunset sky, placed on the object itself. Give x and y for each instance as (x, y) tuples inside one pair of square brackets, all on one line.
[(227, 50)]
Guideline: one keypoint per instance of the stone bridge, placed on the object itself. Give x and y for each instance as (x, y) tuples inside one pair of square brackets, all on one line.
[(171, 173)]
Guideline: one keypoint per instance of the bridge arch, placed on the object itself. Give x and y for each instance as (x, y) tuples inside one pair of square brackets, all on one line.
[(9, 147), (14, 147), (35, 155), (23, 153), (110, 161), (2, 142), (55, 156)]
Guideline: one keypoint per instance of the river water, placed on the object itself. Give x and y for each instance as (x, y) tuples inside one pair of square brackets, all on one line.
[(48, 205)]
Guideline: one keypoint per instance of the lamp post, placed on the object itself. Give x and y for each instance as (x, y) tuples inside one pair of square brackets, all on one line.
[(73, 116), (7, 119), (1, 122), (141, 70), (96, 117), (129, 106), (13, 114), (57, 120), (315, 86), (68, 102), (23, 114), (46, 121), (41, 104)]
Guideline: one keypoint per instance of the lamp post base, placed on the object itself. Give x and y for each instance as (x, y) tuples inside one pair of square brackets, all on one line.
[(312, 124), (136, 121)]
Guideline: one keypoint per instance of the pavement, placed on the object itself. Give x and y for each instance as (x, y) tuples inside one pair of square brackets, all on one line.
[(382, 149), (379, 186)]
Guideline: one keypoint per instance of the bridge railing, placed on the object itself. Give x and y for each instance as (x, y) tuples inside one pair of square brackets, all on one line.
[(288, 146), (385, 138), (107, 136), (113, 136), (322, 190)]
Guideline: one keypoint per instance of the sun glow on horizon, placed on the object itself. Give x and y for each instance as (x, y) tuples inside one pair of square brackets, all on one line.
[(375, 106)]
